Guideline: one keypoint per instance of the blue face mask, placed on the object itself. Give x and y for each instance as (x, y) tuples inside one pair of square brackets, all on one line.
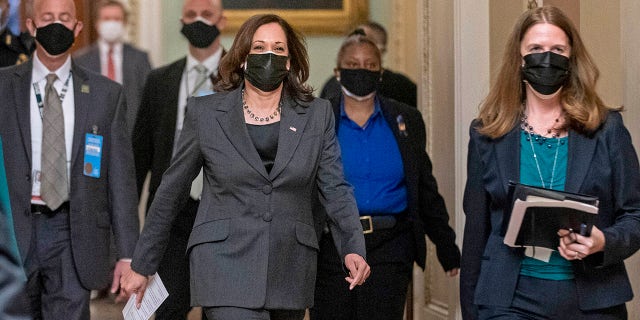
[(546, 72)]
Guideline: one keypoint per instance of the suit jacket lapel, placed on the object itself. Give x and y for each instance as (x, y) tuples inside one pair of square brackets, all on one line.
[(508, 157), (293, 120), (231, 120), (82, 98), (22, 91), (581, 151), (168, 103)]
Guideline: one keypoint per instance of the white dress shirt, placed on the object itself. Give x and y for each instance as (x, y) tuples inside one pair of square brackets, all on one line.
[(188, 83), (38, 76), (117, 59)]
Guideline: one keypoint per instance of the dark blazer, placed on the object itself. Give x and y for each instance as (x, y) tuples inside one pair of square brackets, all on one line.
[(253, 244), (426, 207), (154, 131), (96, 204), (604, 164), (135, 67)]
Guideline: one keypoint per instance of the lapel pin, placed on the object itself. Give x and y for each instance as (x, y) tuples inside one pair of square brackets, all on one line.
[(293, 129), (85, 88), (402, 127)]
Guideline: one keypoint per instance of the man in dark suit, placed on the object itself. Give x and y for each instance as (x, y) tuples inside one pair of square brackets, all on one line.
[(13, 49), (70, 168), (158, 126), (114, 58), (393, 85)]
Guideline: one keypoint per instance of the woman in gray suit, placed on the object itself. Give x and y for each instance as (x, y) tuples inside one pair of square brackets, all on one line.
[(265, 146)]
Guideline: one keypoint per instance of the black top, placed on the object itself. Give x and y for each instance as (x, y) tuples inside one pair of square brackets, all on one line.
[(265, 139)]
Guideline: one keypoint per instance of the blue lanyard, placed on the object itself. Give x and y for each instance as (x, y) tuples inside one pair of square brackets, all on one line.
[(63, 93)]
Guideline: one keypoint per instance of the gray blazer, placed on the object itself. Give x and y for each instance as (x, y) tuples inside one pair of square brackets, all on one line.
[(253, 244), (96, 204), (135, 68)]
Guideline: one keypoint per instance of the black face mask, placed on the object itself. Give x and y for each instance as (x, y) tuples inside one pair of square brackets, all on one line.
[(360, 82), (266, 71), (55, 38), (200, 34), (546, 72)]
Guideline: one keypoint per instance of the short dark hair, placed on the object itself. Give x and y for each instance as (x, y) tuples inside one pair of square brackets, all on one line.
[(108, 3), (231, 74)]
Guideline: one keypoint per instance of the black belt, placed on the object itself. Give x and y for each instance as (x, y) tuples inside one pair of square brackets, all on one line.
[(371, 223), (43, 209)]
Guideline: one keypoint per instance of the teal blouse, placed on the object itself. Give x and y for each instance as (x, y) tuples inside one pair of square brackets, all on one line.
[(550, 172)]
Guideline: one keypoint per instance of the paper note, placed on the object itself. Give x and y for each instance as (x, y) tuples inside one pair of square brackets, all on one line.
[(155, 294)]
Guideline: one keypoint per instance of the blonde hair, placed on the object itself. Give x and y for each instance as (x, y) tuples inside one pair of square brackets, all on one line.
[(584, 110)]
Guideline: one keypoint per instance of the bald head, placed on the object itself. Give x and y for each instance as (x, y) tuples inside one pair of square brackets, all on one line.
[(41, 8), (214, 5), (210, 11)]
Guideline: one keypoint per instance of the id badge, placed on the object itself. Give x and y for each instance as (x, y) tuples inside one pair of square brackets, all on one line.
[(92, 155)]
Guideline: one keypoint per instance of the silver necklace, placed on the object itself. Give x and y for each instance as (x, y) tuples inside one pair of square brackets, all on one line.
[(256, 117), (529, 130)]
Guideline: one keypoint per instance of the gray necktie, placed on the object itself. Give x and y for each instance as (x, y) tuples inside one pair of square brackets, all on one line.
[(54, 185), (201, 80)]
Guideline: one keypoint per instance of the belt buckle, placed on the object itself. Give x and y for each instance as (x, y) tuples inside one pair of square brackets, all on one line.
[(366, 219)]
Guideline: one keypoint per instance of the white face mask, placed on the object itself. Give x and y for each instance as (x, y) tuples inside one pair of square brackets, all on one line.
[(111, 31)]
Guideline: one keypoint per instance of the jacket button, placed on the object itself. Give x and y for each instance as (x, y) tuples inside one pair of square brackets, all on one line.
[(267, 189), (267, 217)]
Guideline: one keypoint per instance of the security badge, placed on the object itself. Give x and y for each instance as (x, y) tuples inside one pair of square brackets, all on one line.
[(92, 153)]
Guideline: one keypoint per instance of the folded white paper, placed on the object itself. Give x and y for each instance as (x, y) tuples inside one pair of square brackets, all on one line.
[(155, 294)]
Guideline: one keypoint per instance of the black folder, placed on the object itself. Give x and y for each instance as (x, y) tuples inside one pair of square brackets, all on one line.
[(537, 214)]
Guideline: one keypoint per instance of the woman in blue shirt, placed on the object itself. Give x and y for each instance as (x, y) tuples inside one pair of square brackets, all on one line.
[(383, 144), (543, 124)]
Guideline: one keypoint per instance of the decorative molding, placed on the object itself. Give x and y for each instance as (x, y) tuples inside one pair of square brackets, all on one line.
[(134, 19)]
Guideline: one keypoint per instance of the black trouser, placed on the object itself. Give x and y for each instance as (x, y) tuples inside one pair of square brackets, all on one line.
[(233, 313), (174, 267), (540, 299), (390, 253), (53, 286)]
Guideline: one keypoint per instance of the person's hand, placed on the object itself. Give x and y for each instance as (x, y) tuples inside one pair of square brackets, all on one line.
[(359, 270), (134, 283), (122, 266), (453, 272), (574, 246)]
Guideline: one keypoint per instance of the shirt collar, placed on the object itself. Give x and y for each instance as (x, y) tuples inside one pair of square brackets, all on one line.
[(104, 47), (376, 108), (40, 71), (211, 63)]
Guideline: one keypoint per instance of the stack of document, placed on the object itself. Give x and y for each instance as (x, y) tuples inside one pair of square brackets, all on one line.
[(537, 215)]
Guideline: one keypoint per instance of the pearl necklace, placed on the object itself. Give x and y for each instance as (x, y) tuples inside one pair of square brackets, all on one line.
[(530, 132), (256, 117)]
